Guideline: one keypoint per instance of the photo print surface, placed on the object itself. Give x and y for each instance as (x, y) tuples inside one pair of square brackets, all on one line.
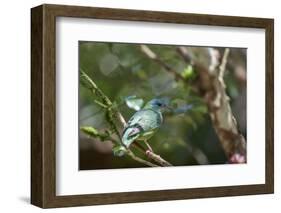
[(150, 105)]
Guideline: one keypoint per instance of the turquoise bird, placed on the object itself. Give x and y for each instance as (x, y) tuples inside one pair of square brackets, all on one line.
[(143, 124)]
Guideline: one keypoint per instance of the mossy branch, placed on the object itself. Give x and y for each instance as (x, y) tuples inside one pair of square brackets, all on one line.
[(112, 114), (151, 55), (94, 133), (87, 82)]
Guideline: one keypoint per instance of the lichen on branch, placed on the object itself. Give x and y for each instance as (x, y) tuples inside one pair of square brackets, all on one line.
[(211, 87), (221, 114)]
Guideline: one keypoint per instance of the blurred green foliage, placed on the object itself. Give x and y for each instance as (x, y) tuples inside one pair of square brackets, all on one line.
[(122, 71)]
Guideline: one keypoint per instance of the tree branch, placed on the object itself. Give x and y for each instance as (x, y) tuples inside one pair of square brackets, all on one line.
[(94, 133), (106, 103), (136, 158), (211, 87), (158, 158), (111, 114), (151, 55), (224, 122)]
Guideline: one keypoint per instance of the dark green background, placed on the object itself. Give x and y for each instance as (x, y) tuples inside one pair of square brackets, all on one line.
[(122, 70)]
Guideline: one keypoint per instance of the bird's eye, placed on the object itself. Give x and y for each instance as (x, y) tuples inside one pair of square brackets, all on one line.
[(159, 104)]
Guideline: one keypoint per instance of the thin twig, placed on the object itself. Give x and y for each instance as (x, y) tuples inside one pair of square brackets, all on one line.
[(223, 65), (136, 158), (182, 51), (121, 118), (150, 154), (158, 158), (151, 55)]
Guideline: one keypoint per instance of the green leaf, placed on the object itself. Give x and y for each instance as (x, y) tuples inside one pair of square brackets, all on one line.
[(90, 131), (134, 103), (188, 72)]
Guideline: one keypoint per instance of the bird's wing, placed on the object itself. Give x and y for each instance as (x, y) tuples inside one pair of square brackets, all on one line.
[(140, 124), (150, 120), (146, 119)]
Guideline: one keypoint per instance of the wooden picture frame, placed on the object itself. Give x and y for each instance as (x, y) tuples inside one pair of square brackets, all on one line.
[(43, 105)]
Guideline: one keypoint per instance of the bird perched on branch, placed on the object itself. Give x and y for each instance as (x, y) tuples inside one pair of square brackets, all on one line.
[(143, 124)]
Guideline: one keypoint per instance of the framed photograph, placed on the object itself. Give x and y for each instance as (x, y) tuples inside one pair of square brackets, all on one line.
[(135, 106)]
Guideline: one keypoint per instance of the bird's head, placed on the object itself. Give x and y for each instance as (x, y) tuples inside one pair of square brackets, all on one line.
[(157, 104)]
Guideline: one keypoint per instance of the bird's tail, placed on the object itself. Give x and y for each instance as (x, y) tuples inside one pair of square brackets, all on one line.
[(130, 134)]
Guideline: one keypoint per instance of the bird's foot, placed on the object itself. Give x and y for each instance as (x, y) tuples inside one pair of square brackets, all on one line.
[(148, 152)]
